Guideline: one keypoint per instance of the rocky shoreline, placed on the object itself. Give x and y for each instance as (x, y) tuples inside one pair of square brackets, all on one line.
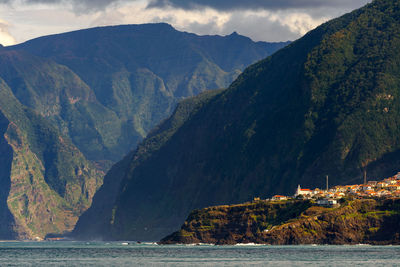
[(294, 222)]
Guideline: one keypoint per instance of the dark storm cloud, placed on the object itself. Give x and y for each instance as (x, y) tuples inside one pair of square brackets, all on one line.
[(257, 4), (224, 5), (77, 5)]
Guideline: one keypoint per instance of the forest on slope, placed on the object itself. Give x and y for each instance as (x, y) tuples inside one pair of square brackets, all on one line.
[(327, 104), (75, 103)]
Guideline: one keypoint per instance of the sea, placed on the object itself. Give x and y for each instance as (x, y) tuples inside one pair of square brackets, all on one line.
[(66, 253)]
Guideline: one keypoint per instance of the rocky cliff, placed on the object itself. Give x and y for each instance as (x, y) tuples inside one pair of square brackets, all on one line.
[(46, 182), (365, 221)]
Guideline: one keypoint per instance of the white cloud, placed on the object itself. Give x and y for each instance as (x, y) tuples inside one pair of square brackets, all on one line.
[(256, 4), (57, 16), (5, 36)]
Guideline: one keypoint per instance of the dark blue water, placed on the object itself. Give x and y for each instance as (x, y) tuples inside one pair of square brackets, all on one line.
[(119, 254)]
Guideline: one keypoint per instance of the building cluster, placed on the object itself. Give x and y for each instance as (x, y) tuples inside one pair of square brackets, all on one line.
[(389, 187)]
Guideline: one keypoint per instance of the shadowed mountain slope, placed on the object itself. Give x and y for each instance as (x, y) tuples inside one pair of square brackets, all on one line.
[(74, 103), (137, 74), (328, 104)]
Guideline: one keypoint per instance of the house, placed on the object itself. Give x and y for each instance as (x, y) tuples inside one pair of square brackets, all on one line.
[(382, 193), (355, 189), (396, 193), (367, 187), (327, 202), (317, 191), (393, 187), (340, 189), (382, 184), (370, 193), (302, 192), (279, 197)]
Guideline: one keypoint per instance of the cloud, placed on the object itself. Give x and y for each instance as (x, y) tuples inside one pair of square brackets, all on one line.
[(34, 18), (271, 26), (5, 36), (78, 6), (257, 4), (84, 6)]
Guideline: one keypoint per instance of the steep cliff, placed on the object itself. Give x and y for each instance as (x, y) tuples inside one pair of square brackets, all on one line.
[(327, 104), (98, 217), (46, 182), (127, 79), (364, 221), (75, 103)]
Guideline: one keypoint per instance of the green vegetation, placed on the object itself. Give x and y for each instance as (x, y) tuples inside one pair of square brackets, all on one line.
[(326, 104), (47, 183), (103, 208), (107, 87), (357, 221), (72, 104)]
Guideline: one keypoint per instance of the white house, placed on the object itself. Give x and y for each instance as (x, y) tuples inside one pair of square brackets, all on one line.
[(302, 192), (327, 202), (279, 197)]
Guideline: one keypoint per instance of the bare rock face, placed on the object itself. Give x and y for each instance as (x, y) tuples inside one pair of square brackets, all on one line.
[(364, 221), (46, 182)]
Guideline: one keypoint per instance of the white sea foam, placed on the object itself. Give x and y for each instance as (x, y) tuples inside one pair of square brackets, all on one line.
[(249, 244)]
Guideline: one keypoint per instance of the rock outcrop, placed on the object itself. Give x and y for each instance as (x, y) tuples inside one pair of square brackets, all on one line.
[(364, 221)]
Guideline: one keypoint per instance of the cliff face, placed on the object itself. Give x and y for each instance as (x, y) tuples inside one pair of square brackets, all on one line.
[(107, 87), (46, 182), (327, 104), (74, 103), (95, 222), (365, 221)]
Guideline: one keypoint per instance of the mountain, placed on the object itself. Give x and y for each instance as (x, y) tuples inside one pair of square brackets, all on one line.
[(74, 103), (365, 221), (46, 182), (327, 104), (135, 75), (97, 218)]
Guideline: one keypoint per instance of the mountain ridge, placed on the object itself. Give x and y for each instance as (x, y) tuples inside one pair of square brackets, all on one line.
[(144, 86), (324, 105), (75, 103)]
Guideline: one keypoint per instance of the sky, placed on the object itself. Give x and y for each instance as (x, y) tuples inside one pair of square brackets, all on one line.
[(261, 20)]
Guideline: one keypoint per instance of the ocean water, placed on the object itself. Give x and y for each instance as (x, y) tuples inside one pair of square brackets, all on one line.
[(126, 254)]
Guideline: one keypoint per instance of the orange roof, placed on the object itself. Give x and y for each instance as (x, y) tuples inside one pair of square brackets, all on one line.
[(278, 196), (305, 190)]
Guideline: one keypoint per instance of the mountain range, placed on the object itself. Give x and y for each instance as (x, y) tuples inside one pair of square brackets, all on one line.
[(327, 104), (75, 103)]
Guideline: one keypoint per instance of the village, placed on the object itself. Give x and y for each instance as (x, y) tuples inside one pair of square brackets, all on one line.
[(389, 187)]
